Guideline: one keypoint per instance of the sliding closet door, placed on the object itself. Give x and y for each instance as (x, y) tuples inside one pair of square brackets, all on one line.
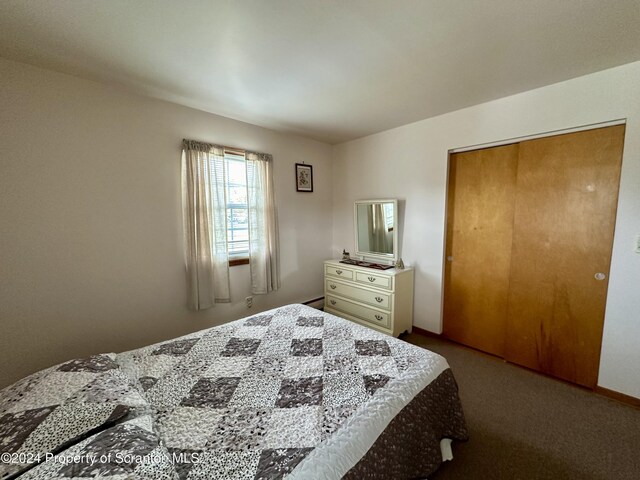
[(479, 228), (567, 190)]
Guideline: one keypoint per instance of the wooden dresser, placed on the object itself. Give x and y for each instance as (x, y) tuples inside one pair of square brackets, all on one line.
[(379, 299)]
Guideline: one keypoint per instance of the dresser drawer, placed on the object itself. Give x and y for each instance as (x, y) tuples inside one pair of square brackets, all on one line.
[(378, 299), (373, 280), (338, 272), (367, 314)]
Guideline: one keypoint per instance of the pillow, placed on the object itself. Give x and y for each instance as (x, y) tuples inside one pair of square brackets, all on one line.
[(128, 450), (51, 409)]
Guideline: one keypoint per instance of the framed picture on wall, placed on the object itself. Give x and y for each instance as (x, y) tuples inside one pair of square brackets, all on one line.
[(304, 178)]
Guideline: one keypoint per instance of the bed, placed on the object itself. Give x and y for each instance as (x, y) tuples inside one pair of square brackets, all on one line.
[(290, 393)]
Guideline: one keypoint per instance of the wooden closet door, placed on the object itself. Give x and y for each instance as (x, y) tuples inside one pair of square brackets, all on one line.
[(479, 227), (566, 200)]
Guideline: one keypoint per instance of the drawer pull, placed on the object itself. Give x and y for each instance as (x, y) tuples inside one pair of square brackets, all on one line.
[(333, 302), (339, 272), (333, 287), (379, 317), (379, 299), (372, 279)]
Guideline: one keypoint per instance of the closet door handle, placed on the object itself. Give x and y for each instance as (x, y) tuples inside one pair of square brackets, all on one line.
[(333, 287), (600, 276), (378, 317), (379, 299), (372, 279)]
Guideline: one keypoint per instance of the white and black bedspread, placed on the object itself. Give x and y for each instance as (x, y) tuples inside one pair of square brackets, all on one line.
[(298, 393)]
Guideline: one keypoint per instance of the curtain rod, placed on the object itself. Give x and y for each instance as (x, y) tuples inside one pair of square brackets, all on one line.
[(234, 150), (224, 147)]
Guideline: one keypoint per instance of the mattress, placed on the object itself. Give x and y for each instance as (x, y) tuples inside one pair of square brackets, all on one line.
[(297, 393)]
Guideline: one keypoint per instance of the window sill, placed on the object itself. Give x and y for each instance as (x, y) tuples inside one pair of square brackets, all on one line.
[(238, 261)]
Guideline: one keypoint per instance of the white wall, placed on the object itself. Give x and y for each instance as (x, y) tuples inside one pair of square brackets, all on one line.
[(410, 163), (90, 218)]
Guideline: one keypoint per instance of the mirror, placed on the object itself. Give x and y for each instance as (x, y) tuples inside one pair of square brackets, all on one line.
[(376, 227)]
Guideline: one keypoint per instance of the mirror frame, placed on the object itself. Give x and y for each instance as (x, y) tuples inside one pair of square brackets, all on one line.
[(376, 255)]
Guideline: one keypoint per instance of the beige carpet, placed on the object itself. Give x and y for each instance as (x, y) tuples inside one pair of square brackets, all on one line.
[(523, 425)]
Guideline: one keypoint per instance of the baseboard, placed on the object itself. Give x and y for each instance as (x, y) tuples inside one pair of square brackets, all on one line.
[(426, 333), (317, 303), (313, 301), (620, 397)]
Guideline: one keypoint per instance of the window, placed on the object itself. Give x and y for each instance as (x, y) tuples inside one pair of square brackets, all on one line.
[(388, 216), (237, 210), (228, 211)]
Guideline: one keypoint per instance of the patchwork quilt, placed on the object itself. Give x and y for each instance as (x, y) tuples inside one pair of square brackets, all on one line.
[(129, 450), (49, 410), (297, 393)]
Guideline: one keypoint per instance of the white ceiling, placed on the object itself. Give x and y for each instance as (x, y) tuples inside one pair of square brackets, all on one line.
[(332, 70)]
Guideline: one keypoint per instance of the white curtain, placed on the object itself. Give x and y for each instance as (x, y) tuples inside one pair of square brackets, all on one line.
[(379, 242), (205, 224), (263, 229)]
